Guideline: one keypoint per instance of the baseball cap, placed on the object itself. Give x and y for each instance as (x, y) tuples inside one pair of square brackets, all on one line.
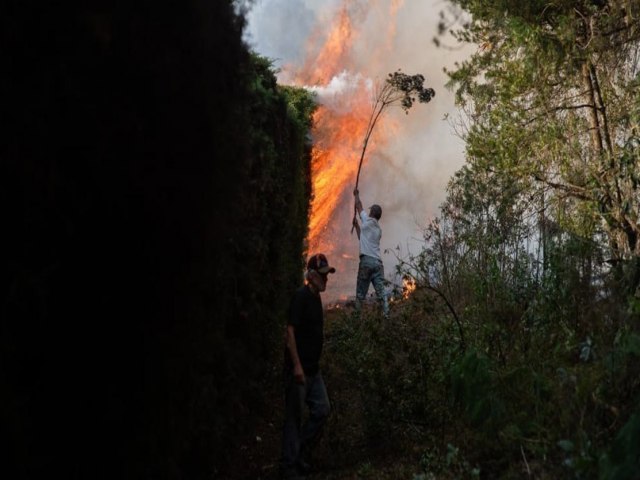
[(320, 264)]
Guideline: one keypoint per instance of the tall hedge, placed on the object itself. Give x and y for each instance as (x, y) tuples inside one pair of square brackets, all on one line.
[(154, 191)]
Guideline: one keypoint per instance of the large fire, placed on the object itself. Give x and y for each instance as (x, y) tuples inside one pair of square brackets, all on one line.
[(337, 146), (338, 135)]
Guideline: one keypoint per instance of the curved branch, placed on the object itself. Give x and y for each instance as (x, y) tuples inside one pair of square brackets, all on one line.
[(463, 344)]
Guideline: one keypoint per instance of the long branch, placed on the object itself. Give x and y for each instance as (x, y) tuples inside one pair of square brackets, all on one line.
[(463, 344), (381, 102), (573, 190), (366, 139), (364, 149)]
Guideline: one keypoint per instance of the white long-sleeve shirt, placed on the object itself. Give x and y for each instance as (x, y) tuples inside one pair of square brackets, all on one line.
[(370, 235)]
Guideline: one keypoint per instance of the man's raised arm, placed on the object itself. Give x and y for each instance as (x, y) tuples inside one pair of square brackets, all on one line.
[(356, 194)]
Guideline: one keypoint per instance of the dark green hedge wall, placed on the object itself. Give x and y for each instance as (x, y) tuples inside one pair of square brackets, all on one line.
[(155, 191)]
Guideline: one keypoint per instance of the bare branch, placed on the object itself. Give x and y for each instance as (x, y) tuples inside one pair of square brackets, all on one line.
[(398, 89)]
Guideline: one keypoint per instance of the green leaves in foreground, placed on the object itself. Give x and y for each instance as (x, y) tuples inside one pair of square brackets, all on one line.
[(471, 386), (622, 461)]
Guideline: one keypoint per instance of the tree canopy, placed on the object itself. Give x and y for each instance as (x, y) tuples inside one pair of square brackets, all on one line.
[(551, 95)]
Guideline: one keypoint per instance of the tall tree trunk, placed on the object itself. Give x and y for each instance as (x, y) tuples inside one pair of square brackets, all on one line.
[(604, 147), (602, 111), (592, 113)]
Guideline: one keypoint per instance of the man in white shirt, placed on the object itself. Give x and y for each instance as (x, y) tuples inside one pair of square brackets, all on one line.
[(370, 269)]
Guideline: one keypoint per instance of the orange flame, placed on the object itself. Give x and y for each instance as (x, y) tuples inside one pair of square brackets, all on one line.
[(335, 155), (333, 54), (408, 287), (338, 135)]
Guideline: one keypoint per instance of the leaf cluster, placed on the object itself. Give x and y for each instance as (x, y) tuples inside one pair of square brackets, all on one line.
[(410, 86)]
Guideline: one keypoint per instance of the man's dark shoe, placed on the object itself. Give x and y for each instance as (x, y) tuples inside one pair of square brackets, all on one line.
[(292, 473)]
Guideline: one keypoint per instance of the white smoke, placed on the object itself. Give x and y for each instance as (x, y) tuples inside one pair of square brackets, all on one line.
[(341, 88), (277, 29), (409, 175)]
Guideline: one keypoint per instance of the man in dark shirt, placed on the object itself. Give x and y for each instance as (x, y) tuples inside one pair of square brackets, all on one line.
[(303, 380)]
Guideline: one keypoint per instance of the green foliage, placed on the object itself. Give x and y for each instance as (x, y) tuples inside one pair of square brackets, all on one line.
[(521, 246), (272, 217), (472, 389), (397, 368), (622, 461), (550, 366), (549, 362), (450, 464), (548, 94)]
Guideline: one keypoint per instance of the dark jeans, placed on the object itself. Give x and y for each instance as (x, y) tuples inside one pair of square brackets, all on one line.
[(295, 436)]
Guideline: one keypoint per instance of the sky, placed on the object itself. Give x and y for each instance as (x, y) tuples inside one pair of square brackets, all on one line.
[(419, 151)]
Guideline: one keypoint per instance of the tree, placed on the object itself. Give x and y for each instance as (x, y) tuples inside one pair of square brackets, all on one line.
[(551, 94)]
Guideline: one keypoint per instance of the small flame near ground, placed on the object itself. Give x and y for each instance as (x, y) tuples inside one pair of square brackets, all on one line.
[(408, 287)]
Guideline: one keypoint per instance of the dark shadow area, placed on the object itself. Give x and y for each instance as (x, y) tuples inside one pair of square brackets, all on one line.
[(135, 327)]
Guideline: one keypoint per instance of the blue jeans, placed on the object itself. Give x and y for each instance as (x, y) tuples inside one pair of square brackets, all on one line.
[(295, 436), (371, 270)]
